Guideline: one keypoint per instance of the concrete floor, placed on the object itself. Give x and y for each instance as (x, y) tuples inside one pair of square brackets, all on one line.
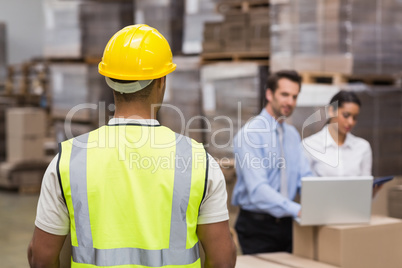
[(17, 216)]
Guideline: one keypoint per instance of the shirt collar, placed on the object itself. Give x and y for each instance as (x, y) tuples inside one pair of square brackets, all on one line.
[(271, 120), (330, 141), (125, 121), (349, 140)]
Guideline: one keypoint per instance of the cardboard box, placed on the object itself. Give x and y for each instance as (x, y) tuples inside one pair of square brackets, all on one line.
[(198, 14), (79, 93), (25, 132), (308, 63), (249, 261), (181, 107), (259, 31), (382, 200), (281, 62), (373, 245), (3, 52), (64, 131), (25, 176), (231, 95), (212, 41), (23, 149), (25, 122), (290, 260), (395, 201)]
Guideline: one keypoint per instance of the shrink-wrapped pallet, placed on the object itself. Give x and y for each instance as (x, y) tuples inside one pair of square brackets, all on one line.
[(232, 94)]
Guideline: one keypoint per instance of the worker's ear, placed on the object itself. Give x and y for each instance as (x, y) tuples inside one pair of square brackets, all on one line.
[(163, 81), (160, 88), (162, 84), (269, 95)]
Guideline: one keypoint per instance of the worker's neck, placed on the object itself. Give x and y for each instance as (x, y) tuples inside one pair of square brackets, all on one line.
[(136, 111), (279, 118), (336, 135)]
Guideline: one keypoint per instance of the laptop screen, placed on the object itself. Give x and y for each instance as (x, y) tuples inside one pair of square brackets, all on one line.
[(336, 200)]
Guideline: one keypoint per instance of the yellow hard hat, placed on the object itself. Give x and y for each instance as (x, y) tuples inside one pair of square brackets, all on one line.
[(137, 52)]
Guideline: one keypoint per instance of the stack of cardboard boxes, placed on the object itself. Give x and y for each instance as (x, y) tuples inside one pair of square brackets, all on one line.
[(79, 95), (232, 94), (380, 123), (164, 15), (372, 245), (245, 28), (76, 35), (26, 162), (352, 37), (395, 201), (197, 14), (5, 103), (3, 59), (377, 244), (62, 29), (278, 260), (181, 109), (100, 21), (26, 130), (80, 29)]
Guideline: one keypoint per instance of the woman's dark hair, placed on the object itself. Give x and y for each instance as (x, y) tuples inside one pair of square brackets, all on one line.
[(343, 97)]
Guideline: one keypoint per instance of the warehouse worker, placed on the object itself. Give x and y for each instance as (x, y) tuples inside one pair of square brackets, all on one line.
[(133, 193), (270, 164)]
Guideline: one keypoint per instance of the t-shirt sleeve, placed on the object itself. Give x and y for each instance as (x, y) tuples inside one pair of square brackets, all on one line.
[(52, 214), (214, 206)]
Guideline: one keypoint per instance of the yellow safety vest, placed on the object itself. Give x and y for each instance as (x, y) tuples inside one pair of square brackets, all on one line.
[(133, 194)]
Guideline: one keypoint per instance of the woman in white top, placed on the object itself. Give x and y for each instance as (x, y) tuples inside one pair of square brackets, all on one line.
[(334, 151)]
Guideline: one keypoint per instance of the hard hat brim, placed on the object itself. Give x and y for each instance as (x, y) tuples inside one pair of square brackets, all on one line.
[(135, 77)]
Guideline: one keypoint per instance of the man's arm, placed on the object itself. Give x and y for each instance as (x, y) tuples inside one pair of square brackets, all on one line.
[(220, 250), (44, 249), (257, 167)]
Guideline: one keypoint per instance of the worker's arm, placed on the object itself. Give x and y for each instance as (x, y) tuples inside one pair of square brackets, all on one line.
[(219, 248), (44, 249)]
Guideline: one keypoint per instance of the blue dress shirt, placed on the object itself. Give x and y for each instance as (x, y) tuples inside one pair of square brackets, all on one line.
[(258, 163)]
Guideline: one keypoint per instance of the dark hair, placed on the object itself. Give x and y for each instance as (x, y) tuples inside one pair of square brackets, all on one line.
[(272, 82), (342, 97), (122, 81)]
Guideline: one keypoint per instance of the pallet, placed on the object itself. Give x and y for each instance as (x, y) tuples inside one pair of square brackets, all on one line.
[(244, 6), (23, 176), (261, 57), (87, 60), (62, 60), (29, 189), (92, 60), (333, 78)]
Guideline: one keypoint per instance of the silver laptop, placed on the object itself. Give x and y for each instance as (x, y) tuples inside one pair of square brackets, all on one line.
[(335, 200)]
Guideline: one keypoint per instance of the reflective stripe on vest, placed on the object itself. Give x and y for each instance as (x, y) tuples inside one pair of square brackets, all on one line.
[(176, 254)]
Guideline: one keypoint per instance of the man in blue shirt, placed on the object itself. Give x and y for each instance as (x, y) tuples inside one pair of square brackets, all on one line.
[(270, 164)]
